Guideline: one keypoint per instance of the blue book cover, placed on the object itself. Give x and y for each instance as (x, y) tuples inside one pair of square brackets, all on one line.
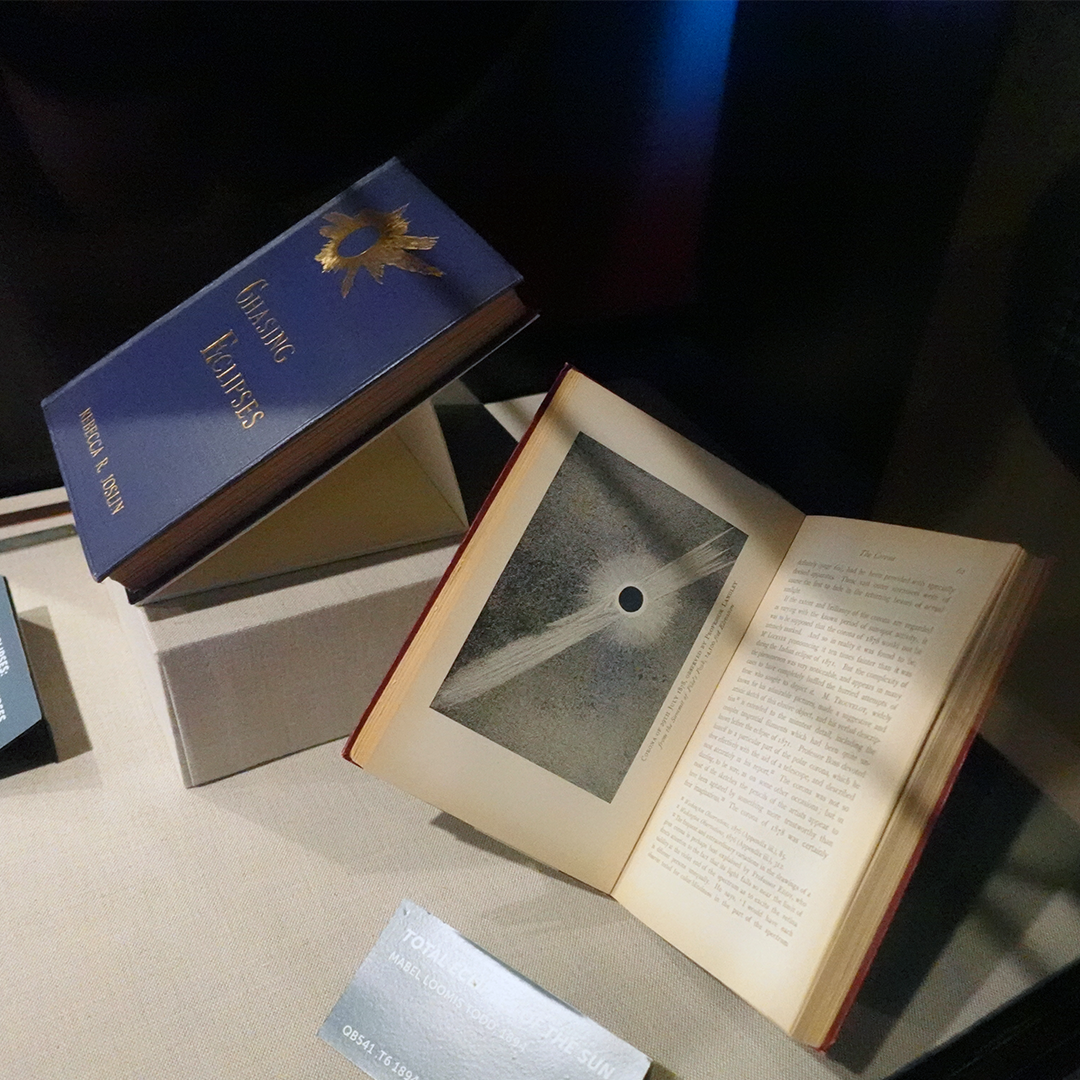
[(184, 434)]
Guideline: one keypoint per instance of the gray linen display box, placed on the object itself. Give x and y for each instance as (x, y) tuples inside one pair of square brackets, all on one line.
[(248, 673)]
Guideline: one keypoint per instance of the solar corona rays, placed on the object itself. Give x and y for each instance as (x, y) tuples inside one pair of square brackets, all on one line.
[(633, 596)]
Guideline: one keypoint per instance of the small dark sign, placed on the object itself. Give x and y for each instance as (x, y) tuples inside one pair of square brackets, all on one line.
[(25, 738)]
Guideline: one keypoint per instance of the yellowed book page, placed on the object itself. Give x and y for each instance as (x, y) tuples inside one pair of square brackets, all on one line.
[(772, 815), (422, 435), (543, 702)]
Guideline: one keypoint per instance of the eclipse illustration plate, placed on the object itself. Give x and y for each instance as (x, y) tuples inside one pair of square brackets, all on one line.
[(591, 620)]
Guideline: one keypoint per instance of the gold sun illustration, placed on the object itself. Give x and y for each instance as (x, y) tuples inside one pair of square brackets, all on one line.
[(391, 247)]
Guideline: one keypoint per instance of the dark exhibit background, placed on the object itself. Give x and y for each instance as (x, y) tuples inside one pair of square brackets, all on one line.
[(766, 238)]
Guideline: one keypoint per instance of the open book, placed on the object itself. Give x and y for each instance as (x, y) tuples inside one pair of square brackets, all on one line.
[(659, 677)]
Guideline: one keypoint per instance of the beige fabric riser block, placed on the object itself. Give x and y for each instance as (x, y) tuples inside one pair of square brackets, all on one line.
[(251, 673)]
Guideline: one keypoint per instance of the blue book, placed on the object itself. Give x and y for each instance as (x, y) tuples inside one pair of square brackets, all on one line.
[(280, 369)]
